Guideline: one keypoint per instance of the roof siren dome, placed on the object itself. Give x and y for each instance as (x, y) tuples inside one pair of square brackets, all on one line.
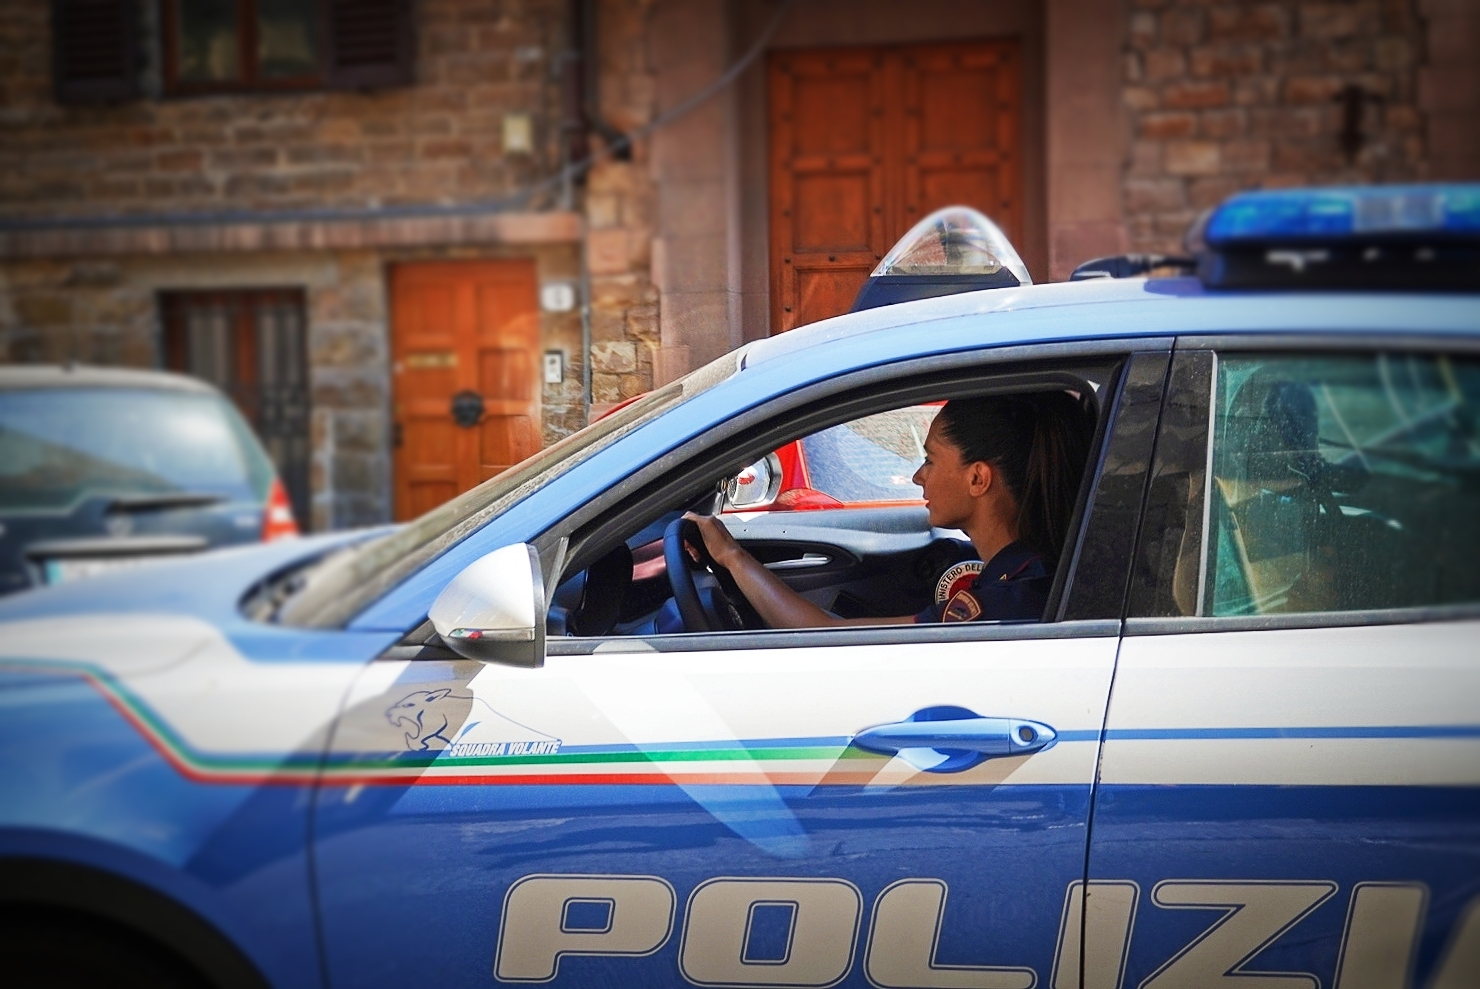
[(955, 249)]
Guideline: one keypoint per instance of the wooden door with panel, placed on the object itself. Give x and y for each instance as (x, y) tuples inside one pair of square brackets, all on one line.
[(962, 132), (866, 141), (829, 215), (465, 339)]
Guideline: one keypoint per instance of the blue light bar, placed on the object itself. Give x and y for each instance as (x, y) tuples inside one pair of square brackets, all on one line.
[(1371, 213)]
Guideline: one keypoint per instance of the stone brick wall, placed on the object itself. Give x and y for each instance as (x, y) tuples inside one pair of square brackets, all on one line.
[(1228, 96), (620, 208), (439, 140), (348, 354)]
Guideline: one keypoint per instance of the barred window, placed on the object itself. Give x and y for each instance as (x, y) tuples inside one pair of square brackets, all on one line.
[(253, 346)]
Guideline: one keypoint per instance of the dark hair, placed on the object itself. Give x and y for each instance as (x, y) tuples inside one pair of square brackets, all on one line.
[(1038, 444)]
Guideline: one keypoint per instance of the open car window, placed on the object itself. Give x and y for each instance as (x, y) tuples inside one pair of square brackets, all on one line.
[(854, 537)]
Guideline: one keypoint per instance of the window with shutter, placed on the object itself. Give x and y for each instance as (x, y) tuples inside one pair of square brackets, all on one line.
[(213, 46), (95, 50)]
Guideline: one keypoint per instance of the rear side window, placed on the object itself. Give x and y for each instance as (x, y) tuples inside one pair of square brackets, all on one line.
[(1342, 483), (60, 445)]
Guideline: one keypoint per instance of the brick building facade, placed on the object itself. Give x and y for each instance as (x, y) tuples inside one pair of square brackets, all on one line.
[(1224, 98), (1132, 116)]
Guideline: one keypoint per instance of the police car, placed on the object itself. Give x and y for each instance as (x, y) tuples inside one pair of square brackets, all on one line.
[(1242, 748)]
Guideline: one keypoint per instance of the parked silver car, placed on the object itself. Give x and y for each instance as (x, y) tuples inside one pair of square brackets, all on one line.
[(102, 468)]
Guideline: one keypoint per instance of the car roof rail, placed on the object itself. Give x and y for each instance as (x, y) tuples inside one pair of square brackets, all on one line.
[(1131, 266)]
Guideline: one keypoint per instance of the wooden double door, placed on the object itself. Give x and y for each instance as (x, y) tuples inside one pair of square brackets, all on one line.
[(867, 141), (466, 393)]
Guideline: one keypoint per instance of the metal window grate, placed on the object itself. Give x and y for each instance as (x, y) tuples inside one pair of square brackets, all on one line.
[(252, 345), (95, 51)]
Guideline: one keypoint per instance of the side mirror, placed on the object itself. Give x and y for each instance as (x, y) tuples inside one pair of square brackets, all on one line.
[(494, 610), (756, 486)]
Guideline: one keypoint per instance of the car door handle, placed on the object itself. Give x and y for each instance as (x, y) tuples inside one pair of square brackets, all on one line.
[(949, 739), (804, 562)]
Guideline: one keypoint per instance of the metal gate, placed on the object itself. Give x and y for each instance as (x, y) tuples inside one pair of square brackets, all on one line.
[(252, 344)]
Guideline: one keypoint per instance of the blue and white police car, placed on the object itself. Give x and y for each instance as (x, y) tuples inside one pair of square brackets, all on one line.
[(1240, 749)]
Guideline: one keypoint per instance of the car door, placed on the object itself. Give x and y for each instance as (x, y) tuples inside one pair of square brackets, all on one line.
[(1290, 784), (708, 809)]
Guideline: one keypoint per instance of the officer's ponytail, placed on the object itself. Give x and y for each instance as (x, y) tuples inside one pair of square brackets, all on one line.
[(1038, 444)]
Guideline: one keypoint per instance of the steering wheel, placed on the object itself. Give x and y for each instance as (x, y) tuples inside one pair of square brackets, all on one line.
[(702, 603)]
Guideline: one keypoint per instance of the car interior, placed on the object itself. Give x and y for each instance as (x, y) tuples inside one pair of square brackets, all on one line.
[(875, 554), (1328, 474)]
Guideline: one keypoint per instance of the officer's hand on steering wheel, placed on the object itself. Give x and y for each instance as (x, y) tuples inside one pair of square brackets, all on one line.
[(698, 592), (720, 546)]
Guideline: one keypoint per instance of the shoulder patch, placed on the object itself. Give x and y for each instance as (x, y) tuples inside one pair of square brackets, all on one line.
[(963, 607), (957, 579)]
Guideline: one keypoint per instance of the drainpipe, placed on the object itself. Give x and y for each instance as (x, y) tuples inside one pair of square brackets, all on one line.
[(573, 125), (581, 93), (585, 335), (584, 19)]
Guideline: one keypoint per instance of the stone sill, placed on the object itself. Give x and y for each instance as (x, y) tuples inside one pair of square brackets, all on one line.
[(108, 238)]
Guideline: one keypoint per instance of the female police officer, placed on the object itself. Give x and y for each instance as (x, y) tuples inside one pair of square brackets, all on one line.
[(1003, 469)]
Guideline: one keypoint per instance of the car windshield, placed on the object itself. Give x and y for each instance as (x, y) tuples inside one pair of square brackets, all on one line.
[(339, 587), (61, 445)]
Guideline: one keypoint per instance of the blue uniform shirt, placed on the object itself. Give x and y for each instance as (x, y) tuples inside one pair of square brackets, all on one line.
[(1012, 586)]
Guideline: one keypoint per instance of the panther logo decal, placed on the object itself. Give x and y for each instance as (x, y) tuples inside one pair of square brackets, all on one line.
[(463, 726)]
